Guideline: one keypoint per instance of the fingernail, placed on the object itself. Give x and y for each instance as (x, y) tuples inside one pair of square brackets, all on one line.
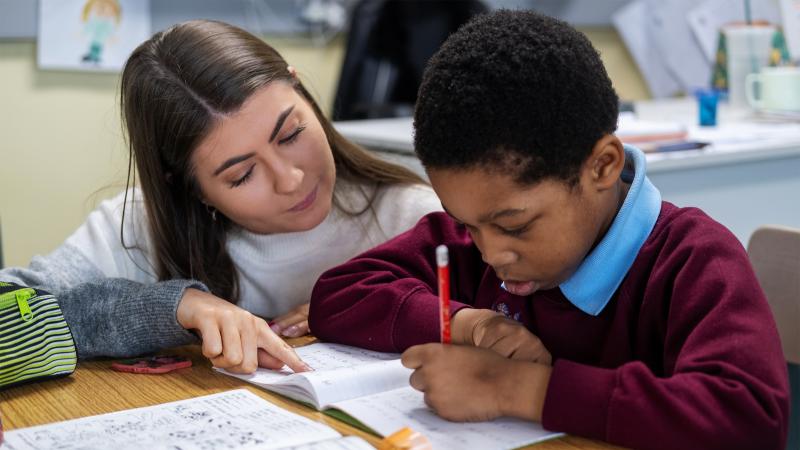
[(292, 331), (307, 368), (276, 328)]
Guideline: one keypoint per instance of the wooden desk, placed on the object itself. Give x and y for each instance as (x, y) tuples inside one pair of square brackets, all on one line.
[(96, 389)]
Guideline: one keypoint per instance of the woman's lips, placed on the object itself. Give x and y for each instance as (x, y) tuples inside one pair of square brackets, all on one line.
[(307, 202)]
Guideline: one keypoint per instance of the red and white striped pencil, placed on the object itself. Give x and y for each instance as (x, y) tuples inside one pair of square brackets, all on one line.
[(443, 272)]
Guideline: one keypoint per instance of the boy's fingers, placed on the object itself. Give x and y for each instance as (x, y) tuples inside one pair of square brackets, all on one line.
[(505, 347), (429, 403), (531, 350), (417, 381), (489, 339), (415, 357), (528, 353), (410, 359), (547, 359)]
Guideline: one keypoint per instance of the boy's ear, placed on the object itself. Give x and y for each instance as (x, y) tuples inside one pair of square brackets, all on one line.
[(606, 162)]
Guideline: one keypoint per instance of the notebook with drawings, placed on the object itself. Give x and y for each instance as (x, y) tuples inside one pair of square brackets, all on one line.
[(235, 419), (370, 390)]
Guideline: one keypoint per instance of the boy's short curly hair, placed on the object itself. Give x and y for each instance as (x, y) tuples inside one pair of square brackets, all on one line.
[(514, 91)]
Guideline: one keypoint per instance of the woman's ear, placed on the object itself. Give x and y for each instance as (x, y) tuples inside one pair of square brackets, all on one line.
[(606, 162)]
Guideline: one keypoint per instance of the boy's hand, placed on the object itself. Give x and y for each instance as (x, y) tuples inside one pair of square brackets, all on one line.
[(233, 338), (292, 324), (468, 384), (489, 329)]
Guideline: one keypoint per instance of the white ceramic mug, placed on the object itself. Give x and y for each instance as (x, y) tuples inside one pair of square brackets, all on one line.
[(774, 89)]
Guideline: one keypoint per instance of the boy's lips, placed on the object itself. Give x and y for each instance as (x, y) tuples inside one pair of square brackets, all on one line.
[(521, 288)]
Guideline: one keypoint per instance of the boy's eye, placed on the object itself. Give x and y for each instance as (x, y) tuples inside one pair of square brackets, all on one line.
[(461, 224), (292, 137), (243, 179), (514, 232)]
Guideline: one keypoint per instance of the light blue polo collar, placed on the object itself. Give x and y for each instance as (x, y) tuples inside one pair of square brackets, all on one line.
[(591, 287)]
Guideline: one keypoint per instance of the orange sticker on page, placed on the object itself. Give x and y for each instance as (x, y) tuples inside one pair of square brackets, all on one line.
[(405, 439)]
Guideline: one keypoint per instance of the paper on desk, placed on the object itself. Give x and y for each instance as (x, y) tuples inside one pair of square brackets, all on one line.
[(235, 419), (630, 129), (346, 443), (631, 24), (735, 135), (383, 412), (323, 356), (708, 17), (340, 372)]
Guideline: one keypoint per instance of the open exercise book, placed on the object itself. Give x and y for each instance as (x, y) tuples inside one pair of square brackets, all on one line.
[(235, 419), (370, 390)]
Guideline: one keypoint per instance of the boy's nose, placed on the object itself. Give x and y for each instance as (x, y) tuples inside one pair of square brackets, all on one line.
[(496, 255)]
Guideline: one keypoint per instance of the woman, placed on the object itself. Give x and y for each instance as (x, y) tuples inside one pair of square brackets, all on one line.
[(246, 195)]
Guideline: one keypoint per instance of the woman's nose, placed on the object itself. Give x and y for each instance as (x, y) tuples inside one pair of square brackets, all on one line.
[(288, 177)]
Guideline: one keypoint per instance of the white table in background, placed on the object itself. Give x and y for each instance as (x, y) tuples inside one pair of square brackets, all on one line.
[(749, 176)]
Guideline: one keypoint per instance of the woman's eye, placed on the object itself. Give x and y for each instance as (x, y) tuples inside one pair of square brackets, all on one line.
[(243, 179), (292, 137)]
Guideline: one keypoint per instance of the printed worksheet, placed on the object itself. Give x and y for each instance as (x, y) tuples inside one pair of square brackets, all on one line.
[(340, 373), (371, 389), (235, 419), (385, 411)]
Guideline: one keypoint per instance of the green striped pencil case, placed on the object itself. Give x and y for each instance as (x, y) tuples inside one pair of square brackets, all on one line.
[(35, 341)]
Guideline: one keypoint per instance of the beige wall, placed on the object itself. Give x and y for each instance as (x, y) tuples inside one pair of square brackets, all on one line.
[(61, 148), (621, 68), (59, 143)]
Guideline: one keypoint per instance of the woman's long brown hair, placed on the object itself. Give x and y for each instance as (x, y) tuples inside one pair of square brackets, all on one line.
[(175, 87)]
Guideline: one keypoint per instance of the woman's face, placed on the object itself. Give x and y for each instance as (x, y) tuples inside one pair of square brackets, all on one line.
[(268, 167)]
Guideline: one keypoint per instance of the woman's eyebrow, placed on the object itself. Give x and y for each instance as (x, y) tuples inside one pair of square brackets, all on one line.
[(279, 122), (237, 159), (232, 162)]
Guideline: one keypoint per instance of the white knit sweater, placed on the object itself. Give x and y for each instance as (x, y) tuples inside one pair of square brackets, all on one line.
[(277, 271)]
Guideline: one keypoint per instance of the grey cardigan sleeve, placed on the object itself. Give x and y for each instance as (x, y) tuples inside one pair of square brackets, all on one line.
[(119, 317), (108, 316)]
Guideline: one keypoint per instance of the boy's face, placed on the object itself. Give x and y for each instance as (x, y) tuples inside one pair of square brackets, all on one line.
[(535, 236)]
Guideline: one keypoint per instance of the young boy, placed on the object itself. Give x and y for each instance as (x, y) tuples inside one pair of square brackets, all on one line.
[(582, 300)]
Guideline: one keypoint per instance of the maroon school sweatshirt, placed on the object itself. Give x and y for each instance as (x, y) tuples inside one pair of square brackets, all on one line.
[(685, 355)]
